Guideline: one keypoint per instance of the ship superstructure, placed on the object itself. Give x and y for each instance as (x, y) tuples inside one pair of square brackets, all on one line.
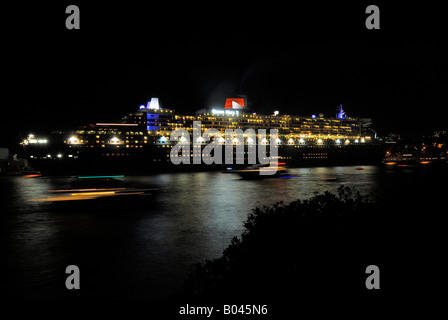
[(144, 136)]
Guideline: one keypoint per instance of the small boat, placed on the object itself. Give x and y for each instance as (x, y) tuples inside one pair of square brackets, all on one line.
[(103, 189), (109, 181), (31, 173), (253, 171), (228, 170), (405, 164)]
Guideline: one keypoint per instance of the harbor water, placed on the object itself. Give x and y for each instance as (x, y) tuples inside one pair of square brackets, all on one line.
[(145, 250)]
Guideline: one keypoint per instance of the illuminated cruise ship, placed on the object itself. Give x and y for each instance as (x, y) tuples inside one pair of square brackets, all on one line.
[(141, 140)]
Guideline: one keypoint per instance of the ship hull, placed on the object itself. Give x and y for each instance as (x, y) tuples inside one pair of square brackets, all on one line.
[(157, 159)]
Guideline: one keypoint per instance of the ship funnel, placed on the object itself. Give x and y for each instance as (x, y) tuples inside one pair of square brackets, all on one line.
[(153, 104)]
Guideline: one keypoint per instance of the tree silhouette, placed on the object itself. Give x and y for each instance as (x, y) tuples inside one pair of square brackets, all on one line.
[(313, 247)]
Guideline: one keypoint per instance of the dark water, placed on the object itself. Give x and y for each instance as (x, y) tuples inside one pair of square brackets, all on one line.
[(145, 250)]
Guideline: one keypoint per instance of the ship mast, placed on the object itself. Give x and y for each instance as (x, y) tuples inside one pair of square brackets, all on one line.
[(341, 113)]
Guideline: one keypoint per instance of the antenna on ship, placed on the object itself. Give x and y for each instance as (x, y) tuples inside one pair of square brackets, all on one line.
[(341, 113)]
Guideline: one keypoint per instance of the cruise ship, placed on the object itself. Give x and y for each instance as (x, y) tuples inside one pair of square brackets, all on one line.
[(140, 142)]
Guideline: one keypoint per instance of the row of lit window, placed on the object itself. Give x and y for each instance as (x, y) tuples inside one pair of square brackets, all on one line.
[(277, 118), (325, 157), (291, 141), (103, 146), (103, 131), (112, 131), (115, 154), (103, 141), (233, 124), (164, 110), (132, 133)]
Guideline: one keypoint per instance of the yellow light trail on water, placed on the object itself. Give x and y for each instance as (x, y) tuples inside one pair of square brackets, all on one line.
[(86, 196), (82, 190), (93, 193)]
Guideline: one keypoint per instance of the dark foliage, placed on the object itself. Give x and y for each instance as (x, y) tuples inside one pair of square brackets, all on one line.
[(312, 247)]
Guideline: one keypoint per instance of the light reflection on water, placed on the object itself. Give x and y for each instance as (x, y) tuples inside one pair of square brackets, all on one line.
[(143, 251)]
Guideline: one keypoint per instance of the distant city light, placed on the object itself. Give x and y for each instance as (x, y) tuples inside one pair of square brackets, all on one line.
[(338, 141), (142, 106), (313, 116), (301, 141), (319, 141), (276, 112), (59, 155)]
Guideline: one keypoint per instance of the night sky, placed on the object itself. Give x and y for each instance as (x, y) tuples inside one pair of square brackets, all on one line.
[(298, 60)]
